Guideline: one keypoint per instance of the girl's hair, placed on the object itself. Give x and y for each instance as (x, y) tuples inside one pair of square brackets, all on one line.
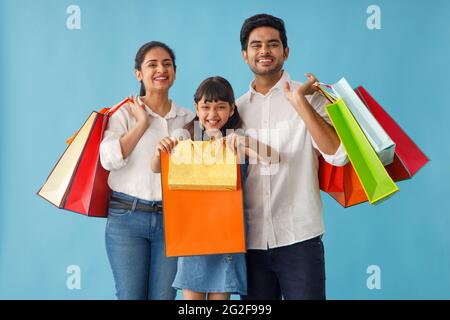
[(215, 89), (140, 55)]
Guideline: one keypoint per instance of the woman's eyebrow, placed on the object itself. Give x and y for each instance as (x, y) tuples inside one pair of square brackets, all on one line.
[(156, 60)]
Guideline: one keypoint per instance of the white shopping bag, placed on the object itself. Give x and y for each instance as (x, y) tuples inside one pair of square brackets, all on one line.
[(378, 138)]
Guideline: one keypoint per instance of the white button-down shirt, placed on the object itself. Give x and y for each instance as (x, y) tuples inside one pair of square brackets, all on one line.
[(133, 175), (283, 200)]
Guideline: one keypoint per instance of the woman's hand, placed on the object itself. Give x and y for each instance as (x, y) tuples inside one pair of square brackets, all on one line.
[(138, 112), (166, 144), (296, 97), (129, 140)]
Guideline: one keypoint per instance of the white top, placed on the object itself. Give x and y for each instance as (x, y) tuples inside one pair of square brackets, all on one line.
[(283, 200), (133, 175)]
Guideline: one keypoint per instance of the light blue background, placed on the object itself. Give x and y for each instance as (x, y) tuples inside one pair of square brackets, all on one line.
[(52, 78)]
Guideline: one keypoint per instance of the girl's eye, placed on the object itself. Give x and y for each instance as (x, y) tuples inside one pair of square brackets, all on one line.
[(168, 64)]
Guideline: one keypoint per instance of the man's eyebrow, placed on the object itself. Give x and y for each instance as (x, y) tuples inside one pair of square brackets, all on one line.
[(259, 41)]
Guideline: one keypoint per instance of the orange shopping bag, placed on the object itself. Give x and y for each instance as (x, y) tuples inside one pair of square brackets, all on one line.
[(342, 183), (199, 222)]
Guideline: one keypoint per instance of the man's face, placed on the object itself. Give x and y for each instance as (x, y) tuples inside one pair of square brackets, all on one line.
[(265, 54)]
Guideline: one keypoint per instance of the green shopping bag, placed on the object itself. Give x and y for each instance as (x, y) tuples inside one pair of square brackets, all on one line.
[(373, 176)]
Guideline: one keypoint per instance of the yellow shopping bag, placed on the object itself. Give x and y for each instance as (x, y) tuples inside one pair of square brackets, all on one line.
[(202, 165)]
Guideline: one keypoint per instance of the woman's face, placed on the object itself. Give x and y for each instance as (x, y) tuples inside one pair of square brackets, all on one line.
[(213, 115), (157, 71)]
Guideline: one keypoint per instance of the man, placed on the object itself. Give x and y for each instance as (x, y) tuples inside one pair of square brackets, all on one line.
[(285, 257)]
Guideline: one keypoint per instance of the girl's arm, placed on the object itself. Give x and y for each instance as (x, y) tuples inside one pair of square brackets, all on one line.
[(260, 151), (156, 162), (166, 144), (254, 149)]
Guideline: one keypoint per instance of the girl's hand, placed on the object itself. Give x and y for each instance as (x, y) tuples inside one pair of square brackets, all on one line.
[(137, 111), (235, 142), (307, 88), (166, 144)]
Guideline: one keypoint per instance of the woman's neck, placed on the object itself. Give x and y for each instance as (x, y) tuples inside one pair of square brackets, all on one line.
[(158, 102)]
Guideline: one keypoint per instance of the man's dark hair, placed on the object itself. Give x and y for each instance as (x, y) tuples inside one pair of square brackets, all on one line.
[(262, 20)]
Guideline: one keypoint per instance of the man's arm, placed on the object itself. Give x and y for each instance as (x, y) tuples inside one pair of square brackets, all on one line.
[(321, 131)]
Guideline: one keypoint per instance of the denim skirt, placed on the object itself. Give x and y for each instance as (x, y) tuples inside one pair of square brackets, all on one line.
[(212, 273)]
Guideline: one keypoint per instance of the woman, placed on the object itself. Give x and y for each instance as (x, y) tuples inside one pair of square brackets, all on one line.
[(134, 230)]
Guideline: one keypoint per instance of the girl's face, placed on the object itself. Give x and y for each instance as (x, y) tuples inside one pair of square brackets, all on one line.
[(213, 115), (157, 71)]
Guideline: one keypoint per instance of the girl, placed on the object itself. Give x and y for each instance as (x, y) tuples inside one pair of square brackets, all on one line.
[(134, 230), (217, 276)]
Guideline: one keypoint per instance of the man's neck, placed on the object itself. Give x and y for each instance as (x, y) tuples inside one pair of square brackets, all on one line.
[(263, 84)]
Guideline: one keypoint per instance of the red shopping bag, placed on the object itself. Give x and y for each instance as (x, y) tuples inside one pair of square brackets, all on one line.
[(341, 183), (78, 182), (408, 157)]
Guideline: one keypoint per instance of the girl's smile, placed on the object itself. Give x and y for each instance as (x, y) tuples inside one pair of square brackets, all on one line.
[(213, 114)]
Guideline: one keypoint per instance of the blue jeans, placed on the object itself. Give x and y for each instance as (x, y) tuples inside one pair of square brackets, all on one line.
[(136, 251), (293, 272)]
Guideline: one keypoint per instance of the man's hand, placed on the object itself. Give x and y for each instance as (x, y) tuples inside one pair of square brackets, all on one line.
[(296, 97)]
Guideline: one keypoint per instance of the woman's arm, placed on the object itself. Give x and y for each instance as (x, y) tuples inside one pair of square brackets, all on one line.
[(129, 140), (121, 137)]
